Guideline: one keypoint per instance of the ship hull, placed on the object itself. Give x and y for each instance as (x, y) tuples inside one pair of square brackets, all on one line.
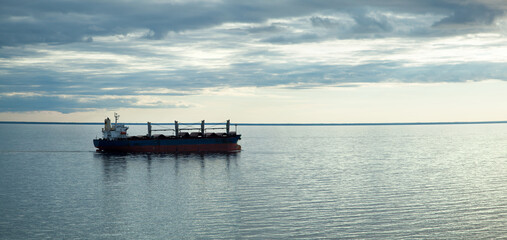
[(170, 145)]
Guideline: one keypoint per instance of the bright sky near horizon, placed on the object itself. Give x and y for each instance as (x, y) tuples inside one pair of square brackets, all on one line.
[(289, 61)]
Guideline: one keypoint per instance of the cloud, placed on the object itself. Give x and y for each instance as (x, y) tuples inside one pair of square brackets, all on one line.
[(372, 23), (324, 22), (68, 55), (475, 14), (264, 29), (293, 38), (56, 21), (25, 102)]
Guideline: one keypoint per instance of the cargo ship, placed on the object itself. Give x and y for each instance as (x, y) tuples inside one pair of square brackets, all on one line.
[(115, 139)]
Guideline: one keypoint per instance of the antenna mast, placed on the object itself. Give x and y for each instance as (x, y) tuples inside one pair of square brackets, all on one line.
[(116, 117)]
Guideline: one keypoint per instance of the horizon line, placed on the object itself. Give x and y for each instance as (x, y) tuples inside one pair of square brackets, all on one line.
[(275, 124)]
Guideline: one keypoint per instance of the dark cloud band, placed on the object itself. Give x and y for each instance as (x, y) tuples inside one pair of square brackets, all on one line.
[(57, 21)]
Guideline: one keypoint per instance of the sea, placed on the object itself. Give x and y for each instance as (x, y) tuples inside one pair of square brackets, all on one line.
[(288, 182)]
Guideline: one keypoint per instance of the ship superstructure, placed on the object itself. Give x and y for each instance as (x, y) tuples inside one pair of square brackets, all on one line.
[(116, 131)]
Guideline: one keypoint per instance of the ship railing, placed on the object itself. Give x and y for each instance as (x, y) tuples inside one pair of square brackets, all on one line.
[(186, 129), (216, 128), (177, 130)]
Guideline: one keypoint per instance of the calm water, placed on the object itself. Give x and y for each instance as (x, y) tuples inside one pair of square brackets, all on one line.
[(390, 182)]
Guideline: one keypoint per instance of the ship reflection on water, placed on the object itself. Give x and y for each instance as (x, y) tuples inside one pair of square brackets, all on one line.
[(172, 192), (115, 165)]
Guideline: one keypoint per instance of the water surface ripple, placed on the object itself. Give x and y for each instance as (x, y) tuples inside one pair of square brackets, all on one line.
[(345, 182)]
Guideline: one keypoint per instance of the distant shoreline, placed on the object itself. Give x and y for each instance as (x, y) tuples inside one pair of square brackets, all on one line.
[(272, 124)]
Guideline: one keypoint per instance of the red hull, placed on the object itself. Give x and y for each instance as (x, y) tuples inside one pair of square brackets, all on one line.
[(227, 147)]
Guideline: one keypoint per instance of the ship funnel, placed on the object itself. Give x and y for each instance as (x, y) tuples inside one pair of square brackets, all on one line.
[(228, 126), (107, 124)]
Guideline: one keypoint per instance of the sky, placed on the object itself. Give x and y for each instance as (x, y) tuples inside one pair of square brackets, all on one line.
[(287, 61)]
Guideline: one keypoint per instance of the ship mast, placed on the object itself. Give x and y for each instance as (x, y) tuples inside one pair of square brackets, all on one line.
[(116, 116)]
